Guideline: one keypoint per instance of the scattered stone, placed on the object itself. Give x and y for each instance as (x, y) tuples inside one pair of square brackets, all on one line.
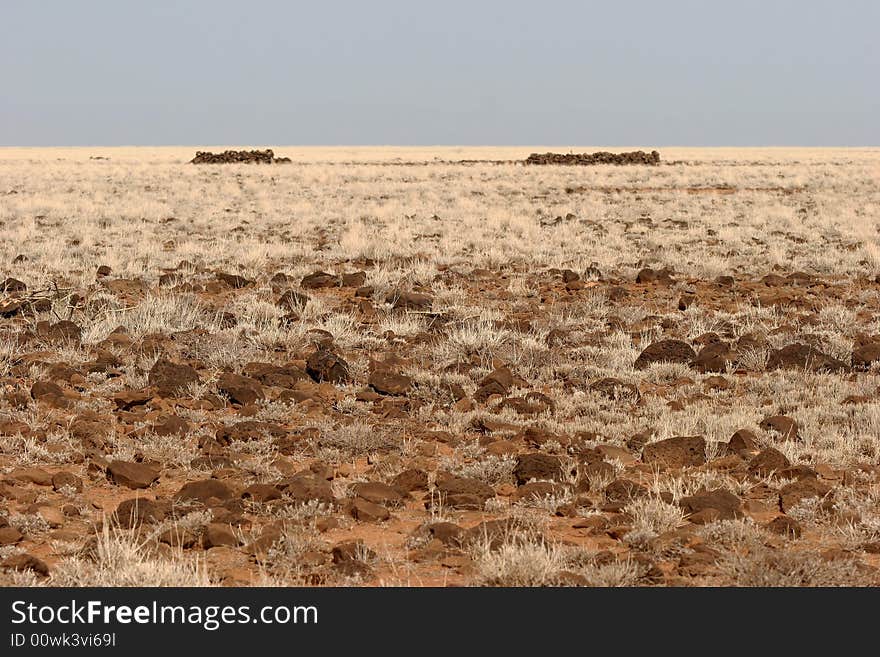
[(25, 561), (365, 511), (804, 357), (767, 461), (324, 365), (387, 382), (537, 466), (785, 526), (241, 390), (665, 351), (720, 504), (131, 474), (785, 426), (616, 389), (172, 379), (319, 279), (69, 480), (204, 491), (791, 494), (677, 452), (136, 511)]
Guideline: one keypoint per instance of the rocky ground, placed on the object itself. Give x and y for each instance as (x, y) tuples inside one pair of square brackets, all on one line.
[(365, 375)]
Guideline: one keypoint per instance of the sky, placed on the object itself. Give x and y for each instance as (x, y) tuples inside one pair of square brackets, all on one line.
[(388, 72)]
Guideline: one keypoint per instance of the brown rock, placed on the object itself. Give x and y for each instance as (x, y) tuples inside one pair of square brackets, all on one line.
[(616, 389), (68, 479), (25, 561), (804, 357), (172, 379), (802, 489), (665, 351), (324, 365), (365, 511), (241, 390), (131, 474), (377, 492), (136, 511), (390, 383), (768, 460), (219, 534), (782, 424), (319, 279), (865, 355), (676, 452), (537, 466), (205, 490), (725, 504)]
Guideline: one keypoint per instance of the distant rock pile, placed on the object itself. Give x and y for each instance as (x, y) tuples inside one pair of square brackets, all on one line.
[(231, 157), (589, 159)]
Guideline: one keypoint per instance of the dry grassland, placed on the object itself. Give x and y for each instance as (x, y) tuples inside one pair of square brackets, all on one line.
[(509, 375)]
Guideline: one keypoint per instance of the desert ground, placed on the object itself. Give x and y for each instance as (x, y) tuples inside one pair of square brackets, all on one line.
[(439, 367)]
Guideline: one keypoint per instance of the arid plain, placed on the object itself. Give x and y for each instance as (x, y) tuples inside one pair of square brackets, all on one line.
[(438, 367)]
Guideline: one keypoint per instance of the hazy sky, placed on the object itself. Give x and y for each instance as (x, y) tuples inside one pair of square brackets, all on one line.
[(446, 72)]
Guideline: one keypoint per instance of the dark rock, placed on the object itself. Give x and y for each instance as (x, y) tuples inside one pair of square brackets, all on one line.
[(390, 383), (725, 504), (676, 452), (616, 389), (865, 356), (785, 526), (131, 474), (319, 279), (791, 494), (234, 281), (292, 300), (241, 390), (665, 351), (136, 511), (537, 466), (205, 490), (804, 357), (715, 358), (324, 365), (172, 379), (782, 424), (768, 460)]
